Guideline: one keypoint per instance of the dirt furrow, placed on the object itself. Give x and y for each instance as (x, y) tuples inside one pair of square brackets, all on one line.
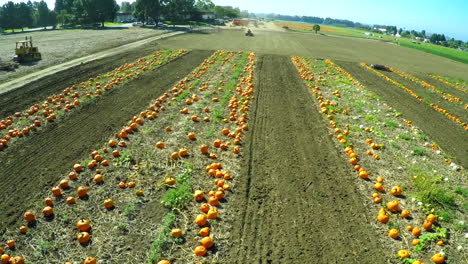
[(299, 204), (449, 135), (36, 162)]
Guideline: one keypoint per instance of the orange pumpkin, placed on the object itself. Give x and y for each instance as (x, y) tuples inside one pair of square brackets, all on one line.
[(191, 136), (416, 231), (427, 225), (201, 220), (70, 200), (47, 211), (204, 207), (212, 213), (392, 206), (405, 213), (98, 178), (438, 258), (10, 244), (83, 237), (164, 262), (383, 218), (5, 259), (56, 191), (415, 242), (108, 203), (160, 145), (72, 175), (379, 187), (207, 242), (393, 233), (29, 217), (213, 201), (198, 195), (82, 191), (205, 231), (403, 253), (83, 225), (431, 218), (395, 191), (177, 232), (204, 149), (170, 181), (89, 260), (23, 229), (200, 251)]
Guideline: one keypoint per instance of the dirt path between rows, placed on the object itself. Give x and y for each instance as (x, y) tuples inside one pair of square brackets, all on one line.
[(451, 137), (41, 159), (296, 201)]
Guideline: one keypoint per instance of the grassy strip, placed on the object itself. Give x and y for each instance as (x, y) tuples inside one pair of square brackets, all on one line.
[(162, 239), (452, 54)]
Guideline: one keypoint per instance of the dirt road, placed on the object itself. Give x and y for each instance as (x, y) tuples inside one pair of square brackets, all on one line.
[(297, 203)]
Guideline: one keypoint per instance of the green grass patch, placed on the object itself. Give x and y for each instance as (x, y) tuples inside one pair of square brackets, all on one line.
[(428, 189), (162, 239), (456, 55), (405, 137), (427, 238), (419, 151), (177, 198), (391, 124)]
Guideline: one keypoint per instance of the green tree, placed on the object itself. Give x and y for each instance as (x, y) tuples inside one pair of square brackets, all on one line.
[(205, 5), (42, 14), (126, 7), (9, 16), (316, 28), (180, 10), (147, 10), (95, 11), (25, 15)]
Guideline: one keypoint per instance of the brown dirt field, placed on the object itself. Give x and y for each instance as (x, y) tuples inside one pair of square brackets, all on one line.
[(289, 209), (59, 46), (39, 160), (322, 46), (449, 136)]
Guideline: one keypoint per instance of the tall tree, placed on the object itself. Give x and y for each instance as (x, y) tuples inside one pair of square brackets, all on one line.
[(205, 5), (146, 10), (126, 7), (9, 15), (25, 15), (106, 10), (180, 10), (42, 14), (316, 28)]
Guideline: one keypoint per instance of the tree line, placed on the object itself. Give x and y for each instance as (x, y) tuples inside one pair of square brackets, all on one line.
[(85, 12), (438, 39)]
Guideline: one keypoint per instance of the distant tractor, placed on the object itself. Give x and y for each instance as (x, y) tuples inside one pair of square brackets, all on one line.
[(26, 52), (249, 33)]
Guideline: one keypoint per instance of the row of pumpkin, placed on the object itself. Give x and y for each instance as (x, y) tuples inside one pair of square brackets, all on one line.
[(29, 120), (326, 105)]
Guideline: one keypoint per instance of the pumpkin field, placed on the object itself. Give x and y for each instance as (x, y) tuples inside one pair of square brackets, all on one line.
[(217, 148)]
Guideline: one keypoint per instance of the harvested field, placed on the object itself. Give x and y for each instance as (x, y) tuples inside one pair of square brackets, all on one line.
[(319, 46), (59, 46), (237, 156)]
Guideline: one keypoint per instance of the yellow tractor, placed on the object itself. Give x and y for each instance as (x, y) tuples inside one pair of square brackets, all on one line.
[(26, 52)]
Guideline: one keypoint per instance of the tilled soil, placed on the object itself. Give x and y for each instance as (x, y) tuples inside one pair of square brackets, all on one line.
[(297, 201), (451, 137), (41, 159)]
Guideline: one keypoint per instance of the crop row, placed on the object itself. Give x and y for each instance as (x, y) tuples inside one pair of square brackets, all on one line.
[(459, 85), (56, 106), (368, 131), (417, 97), (446, 96), (105, 197)]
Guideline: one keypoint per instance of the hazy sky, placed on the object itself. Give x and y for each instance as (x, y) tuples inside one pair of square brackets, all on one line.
[(437, 16)]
